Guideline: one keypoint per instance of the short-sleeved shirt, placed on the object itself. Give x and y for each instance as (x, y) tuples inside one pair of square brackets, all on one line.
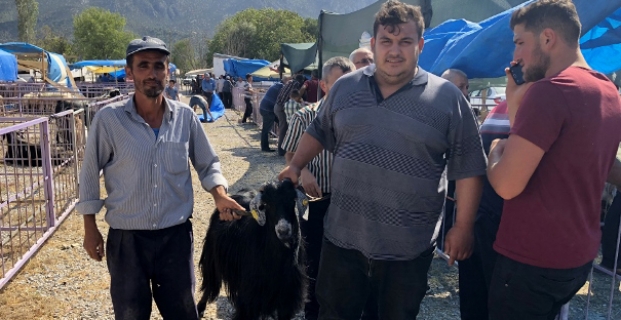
[(291, 107), (172, 93), (311, 90), (390, 155), (575, 118), (247, 88), (321, 165), (495, 126), (269, 99)]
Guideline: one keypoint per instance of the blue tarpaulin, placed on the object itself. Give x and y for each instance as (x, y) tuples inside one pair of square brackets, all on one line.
[(98, 63), (216, 107), (56, 63), (8, 66), (239, 68), (484, 49)]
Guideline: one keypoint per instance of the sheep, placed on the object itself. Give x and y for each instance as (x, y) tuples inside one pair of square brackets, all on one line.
[(261, 261)]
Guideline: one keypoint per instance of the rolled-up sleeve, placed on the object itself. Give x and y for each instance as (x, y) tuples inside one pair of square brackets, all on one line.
[(97, 154), (204, 158)]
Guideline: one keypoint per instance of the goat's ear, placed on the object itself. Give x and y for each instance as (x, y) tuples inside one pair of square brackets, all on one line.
[(257, 209)]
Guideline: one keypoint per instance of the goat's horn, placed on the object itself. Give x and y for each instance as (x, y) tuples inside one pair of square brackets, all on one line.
[(242, 213)]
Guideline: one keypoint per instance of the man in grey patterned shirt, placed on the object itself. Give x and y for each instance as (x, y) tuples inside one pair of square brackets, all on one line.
[(144, 147), (393, 129)]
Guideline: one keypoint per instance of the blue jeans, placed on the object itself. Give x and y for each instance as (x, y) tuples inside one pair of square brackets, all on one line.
[(268, 121)]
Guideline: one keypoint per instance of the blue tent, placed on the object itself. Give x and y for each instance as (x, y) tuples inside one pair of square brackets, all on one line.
[(239, 68), (98, 63), (483, 50), (8, 66), (56, 63)]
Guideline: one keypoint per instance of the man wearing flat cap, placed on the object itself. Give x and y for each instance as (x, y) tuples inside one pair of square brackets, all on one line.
[(144, 146)]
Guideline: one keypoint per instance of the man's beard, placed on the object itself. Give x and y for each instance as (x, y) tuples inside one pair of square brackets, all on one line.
[(538, 71), (152, 92)]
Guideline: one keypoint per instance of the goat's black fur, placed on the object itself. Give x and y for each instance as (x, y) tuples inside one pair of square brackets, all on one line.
[(21, 152), (263, 275)]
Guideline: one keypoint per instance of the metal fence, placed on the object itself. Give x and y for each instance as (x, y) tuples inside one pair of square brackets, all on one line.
[(38, 184), (603, 285)]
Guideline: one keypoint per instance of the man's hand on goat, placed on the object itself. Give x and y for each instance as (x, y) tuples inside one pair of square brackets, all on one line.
[(459, 243), (225, 204), (309, 183), (290, 172)]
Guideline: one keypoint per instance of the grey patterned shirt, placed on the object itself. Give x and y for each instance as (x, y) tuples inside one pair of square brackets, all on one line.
[(148, 180), (388, 175)]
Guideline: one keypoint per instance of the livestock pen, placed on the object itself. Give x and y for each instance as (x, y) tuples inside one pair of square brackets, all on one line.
[(43, 136)]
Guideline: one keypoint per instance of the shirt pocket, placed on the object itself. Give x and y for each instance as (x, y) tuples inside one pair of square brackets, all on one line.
[(175, 157)]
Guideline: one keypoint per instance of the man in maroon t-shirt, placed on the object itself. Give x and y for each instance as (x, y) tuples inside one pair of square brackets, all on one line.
[(565, 131), (310, 88)]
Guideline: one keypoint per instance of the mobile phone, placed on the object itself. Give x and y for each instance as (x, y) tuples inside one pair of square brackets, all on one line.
[(516, 73)]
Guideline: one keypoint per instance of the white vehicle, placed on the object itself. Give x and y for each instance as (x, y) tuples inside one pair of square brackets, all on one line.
[(493, 96)]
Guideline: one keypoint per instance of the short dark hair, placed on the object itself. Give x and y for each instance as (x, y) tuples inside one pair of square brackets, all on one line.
[(558, 15), (393, 13), (129, 60), (300, 78), (173, 80), (248, 76), (295, 93)]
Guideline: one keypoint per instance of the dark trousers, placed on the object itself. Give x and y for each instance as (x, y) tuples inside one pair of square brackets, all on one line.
[(347, 279), (312, 231), (208, 97), (282, 127), (227, 99), (268, 121), (475, 273), (156, 264), (519, 291), (610, 233), (248, 111), (449, 214)]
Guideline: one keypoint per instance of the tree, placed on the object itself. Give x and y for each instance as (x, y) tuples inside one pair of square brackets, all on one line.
[(52, 42), (27, 14), (100, 34), (183, 55), (256, 33)]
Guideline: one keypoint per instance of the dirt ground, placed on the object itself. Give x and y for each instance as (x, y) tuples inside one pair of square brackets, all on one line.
[(61, 282)]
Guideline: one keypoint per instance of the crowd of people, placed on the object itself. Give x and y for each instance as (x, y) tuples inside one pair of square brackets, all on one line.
[(378, 144)]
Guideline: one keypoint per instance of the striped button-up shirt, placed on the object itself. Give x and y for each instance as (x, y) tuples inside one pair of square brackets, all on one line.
[(147, 177), (321, 165)]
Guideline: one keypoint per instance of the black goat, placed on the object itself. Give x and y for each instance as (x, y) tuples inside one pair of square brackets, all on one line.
[(21, 152), (262, 260)]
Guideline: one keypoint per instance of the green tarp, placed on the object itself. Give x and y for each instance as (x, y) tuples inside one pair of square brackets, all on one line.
[(340, 34), (298, 56)]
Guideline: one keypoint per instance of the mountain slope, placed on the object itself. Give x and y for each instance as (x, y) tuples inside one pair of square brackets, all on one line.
[(168, 19)]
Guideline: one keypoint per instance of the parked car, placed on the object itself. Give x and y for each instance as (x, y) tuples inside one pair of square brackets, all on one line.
[(187, 81), (495, 95)]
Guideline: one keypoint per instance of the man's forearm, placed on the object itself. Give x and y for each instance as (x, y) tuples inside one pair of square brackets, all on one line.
[(614, 177), (468, 192), (308, 148)]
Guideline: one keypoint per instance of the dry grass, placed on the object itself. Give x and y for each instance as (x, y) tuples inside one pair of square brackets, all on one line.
[(61, 282)]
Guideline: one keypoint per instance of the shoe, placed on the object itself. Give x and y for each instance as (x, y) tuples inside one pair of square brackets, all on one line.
[(268, 150)]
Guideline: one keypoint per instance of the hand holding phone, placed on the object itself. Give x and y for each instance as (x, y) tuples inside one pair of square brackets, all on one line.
[(516, 74)]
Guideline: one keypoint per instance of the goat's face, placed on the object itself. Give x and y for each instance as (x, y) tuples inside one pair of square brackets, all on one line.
[(280, 206)]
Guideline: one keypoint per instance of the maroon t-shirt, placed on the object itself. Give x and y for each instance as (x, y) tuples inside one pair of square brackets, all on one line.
[(575, 117), (311, 90)]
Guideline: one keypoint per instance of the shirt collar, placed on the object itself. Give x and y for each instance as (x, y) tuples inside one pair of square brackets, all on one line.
[(419, 79), (130, 108)]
